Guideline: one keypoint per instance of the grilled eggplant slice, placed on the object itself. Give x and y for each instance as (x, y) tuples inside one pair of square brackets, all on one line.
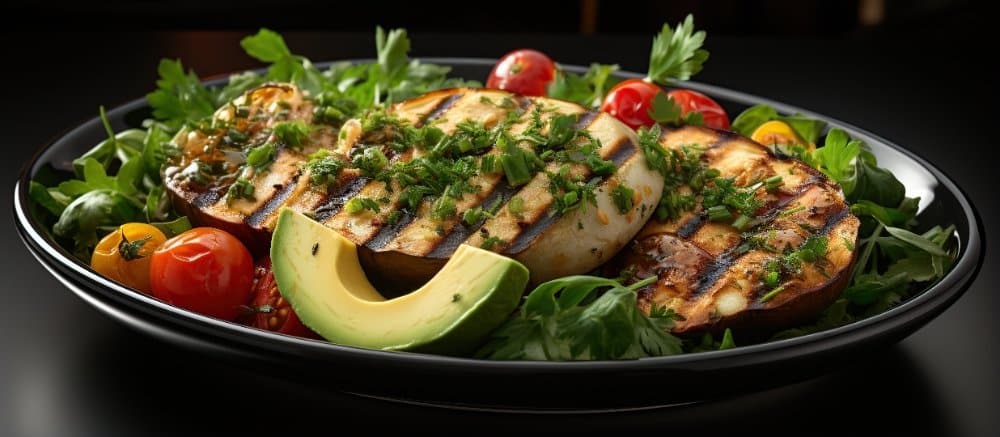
[(716, 276), (403, 247)]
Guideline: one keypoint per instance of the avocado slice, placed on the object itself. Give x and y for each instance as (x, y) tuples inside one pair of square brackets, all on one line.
[(318, 272)]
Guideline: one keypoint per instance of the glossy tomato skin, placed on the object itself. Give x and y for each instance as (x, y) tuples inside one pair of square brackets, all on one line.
[(270, 311), (630, 102), (128, 263), (692, 101), (205, 270), (524, 71)]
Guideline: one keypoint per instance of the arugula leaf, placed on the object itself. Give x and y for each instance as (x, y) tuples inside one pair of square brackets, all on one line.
[(836, 158), (749, 120), (93, 210), (45, 198), (560, 320), (677, 53), (875, 183), (808, 128), (890, 216)]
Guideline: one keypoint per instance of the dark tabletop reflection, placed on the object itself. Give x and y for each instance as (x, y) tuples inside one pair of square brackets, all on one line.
[(147, 385)]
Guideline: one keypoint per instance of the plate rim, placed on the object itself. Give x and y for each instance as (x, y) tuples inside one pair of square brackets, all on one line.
[(949, 288)]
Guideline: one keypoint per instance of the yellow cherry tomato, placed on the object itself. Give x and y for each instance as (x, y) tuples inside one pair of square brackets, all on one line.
[(123, 255), (776, 132)]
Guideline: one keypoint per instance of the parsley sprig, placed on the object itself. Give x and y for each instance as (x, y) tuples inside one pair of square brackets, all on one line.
[(584, 318)]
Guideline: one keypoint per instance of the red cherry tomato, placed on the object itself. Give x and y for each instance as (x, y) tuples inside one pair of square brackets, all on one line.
[(692, 101), (269, 310), (205, 270), (630, 101), (524, 71)]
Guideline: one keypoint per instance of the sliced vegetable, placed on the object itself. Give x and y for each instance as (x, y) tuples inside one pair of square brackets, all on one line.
[(269, 310), (205, 270)]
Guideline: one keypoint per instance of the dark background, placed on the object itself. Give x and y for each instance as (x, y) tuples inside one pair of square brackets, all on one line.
[(914, 72)]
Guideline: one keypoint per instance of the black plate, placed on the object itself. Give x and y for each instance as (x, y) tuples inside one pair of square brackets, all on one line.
[(535, 386)]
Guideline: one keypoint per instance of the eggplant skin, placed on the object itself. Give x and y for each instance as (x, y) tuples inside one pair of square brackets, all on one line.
[(709, 274)]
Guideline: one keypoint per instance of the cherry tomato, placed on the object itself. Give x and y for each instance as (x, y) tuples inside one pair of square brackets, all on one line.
[(123, 255), (205, 270), (524, 71), (269, 310), (630, 101), (692, 101)]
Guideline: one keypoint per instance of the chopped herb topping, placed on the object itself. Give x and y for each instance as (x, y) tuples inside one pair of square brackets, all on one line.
[(490, 242), (293, 133), (241, 189), (443, 209), (359, 204), (261, 157), (324, 167), (622, 196), (472, 216), (370, 161)]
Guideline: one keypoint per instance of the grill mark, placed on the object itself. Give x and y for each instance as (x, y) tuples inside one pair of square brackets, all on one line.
[(833, 220), (722, 264), (691, 226), (501, 194), (207, 198), (523, 103), (622, 152), (386, 234), (338, 196), (723, 138), (586, 119), (278, 198), (528, 236), (442, 107)]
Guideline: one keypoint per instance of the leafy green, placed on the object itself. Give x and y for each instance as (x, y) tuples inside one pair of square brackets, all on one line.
[(293, 133), (836, 158), (588, 89), (708, 343), (622, 198), (268, 46), (261, 157), (677, 53), (874, 183), (117, 181), (666, 111), (180, 97), (750, 119), (562, 320)]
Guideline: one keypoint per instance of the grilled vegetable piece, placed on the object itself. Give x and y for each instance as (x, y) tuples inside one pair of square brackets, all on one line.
[(402, 244), (791, 261)]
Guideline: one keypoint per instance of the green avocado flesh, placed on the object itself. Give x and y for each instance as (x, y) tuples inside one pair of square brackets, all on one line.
[(318, 272)]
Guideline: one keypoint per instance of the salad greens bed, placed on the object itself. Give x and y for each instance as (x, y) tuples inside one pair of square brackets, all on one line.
[(579, 317)]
